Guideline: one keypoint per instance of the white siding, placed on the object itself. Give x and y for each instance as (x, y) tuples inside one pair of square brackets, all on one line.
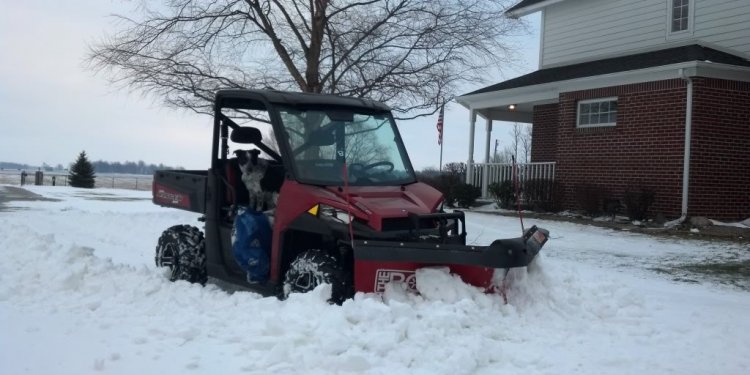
[(580, 30), (725, 23)]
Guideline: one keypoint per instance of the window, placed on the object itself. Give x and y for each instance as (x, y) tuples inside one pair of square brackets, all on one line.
[(680, 11), (322, 140), (597, 112)]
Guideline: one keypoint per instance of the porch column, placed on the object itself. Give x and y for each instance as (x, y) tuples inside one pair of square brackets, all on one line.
[(486, 169), (470, 160)]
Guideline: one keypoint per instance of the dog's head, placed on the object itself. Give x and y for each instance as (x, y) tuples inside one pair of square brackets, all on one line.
[(249, 161)]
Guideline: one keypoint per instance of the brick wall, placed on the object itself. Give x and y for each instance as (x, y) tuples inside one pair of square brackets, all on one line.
[(544, 133), (645, 148), (720, 148)]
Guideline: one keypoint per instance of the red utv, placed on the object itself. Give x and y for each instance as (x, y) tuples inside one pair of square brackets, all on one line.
[(350, 210)]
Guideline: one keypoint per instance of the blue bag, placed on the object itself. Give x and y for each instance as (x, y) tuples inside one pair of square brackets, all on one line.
[(251, 243)]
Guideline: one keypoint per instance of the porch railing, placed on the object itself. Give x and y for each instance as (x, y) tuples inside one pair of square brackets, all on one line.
[(484, 174)]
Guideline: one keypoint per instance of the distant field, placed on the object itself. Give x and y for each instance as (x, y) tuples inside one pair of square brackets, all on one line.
[(104, 180)]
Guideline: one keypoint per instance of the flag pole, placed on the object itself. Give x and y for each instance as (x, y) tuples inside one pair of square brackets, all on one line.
[(439, 127), (441, 156)]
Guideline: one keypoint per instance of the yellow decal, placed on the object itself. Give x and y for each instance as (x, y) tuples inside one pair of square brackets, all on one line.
[(313, 210)]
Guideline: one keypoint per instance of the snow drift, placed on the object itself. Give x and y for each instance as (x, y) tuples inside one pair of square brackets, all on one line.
[(79, 294)]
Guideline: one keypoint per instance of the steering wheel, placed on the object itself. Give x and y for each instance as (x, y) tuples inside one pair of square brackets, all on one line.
[(359, 168)]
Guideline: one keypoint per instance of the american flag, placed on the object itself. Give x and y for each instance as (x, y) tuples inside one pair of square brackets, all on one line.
[(440, 124)]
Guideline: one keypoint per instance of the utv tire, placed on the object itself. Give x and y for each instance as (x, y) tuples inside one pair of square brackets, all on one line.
[(182, 249), (315, 267)]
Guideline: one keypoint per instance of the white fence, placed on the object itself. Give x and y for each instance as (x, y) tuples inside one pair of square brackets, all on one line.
[(499, 172), (114, 181)]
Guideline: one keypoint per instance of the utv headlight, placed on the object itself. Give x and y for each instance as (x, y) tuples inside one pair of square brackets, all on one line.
[(330, 213)]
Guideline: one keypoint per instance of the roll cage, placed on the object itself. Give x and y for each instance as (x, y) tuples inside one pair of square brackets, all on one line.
[(272, 102)]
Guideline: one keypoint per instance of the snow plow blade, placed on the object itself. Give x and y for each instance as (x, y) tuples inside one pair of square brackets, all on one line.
[(504, 253), (379, 263)]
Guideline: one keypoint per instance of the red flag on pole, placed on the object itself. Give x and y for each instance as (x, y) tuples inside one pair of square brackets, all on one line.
[(440, 124)]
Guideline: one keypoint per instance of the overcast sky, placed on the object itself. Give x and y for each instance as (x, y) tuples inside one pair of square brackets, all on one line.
[(52, 106)]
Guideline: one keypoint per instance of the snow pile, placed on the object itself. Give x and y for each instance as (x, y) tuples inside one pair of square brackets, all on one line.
[(740, 224), (79, 294)]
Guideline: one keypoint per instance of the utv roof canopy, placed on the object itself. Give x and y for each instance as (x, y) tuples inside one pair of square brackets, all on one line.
[(256, 99)]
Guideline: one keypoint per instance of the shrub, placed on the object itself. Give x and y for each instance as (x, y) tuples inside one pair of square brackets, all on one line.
[(466, 194), (589, 198), (457, 169), (536, 191), (450, 182), (502, 193), (543, 194), (445, 183), (612, 206), (427, 173), (638, 203)]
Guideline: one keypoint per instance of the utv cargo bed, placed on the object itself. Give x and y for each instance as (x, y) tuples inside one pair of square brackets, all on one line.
[(185, 190)]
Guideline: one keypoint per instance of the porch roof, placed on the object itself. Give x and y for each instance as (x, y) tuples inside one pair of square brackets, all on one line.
[(528, 6), (543, 86)]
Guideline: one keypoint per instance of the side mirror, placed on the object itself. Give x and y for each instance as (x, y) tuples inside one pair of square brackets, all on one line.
[(246, 135), (321, 137)]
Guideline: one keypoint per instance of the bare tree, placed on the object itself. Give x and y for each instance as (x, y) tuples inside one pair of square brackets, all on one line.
[(410, 54), (504, 156), (515, 139), (520, 141)]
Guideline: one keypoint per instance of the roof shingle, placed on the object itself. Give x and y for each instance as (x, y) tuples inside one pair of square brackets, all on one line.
[(644, 60)]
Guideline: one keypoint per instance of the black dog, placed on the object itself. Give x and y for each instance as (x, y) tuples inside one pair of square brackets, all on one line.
[(262, 189)]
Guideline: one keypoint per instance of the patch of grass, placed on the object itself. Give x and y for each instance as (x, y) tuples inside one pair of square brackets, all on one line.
[(734, 273), (686, 280), (733, 268), (662, 271)]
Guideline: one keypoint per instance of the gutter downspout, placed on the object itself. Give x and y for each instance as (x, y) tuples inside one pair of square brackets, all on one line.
[(686, 158)]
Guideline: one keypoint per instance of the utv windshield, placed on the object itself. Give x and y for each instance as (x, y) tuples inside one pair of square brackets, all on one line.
[(323, 142)]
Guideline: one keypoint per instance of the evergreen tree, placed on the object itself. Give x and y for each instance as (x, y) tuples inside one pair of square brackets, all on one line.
[(82, 172)]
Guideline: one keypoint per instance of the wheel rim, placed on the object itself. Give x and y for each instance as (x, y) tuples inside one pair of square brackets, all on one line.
[(168, 258), (303, 282)]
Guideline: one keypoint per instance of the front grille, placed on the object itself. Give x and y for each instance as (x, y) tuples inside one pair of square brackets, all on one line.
[(406, 223)]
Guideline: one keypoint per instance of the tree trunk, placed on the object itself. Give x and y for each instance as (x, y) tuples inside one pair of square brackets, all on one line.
[(312, 74)]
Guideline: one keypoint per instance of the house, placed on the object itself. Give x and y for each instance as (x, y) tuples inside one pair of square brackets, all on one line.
[(635, 94)]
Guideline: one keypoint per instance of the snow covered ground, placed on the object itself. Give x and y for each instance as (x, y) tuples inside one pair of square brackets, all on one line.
[(79, 294)]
